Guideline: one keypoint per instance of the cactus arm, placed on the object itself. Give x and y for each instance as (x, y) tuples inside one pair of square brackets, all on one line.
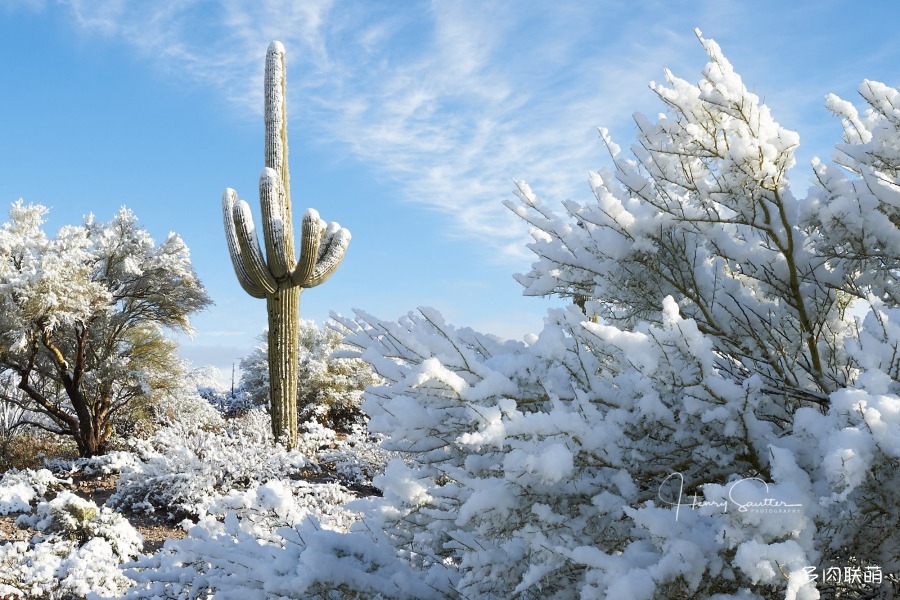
[(250, 286), (309, 247), (331, 253), (250, 252), (278, 231)]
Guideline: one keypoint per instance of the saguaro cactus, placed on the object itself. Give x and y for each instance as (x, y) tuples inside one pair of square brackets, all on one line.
[(280, 276)]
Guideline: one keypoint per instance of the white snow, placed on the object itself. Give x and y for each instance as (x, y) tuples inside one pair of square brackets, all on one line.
[(715, 358)]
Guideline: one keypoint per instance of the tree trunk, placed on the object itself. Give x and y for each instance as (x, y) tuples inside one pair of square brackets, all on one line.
[(284, 350), (88, 434), (90, 440)]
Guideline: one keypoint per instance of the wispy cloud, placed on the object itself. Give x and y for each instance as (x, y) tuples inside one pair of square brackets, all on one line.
[(450, 100), (485, 93), (220, 44), (32, 6)]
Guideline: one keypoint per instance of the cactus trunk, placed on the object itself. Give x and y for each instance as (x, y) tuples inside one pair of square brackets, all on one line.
[(284, 355)]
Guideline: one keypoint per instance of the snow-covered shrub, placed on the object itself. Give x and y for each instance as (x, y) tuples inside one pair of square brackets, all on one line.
[(712, 417), (230, 404), (204, 389), (355, 457), (18, 489), (281, 538), (182, 467), (222, 561), (77, 551), (116, 461), (263, 508), (315, 437), (190, 404), (71, 517)]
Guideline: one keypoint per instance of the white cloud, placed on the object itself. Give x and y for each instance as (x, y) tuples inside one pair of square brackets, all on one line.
[(32, 6), (221, 44), (450, 100)]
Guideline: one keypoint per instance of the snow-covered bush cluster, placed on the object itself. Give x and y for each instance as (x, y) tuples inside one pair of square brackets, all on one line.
[(19, 489), (198, 400), (246, 499), (716, 415), (223, 560), (264, 522), (355, 458), (182, 468), (77, 551)]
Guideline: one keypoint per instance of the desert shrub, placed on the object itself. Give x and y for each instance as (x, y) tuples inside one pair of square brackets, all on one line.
[(19, 489), (189, 406), (76, 552), (716, 414), (354, 457), (230, 559), (29, 448), (182, 467)]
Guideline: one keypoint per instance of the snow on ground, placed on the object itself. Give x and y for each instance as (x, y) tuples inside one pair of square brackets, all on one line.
[(224, 482)]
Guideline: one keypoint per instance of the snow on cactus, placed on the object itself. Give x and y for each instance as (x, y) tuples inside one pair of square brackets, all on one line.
[(280, 276)]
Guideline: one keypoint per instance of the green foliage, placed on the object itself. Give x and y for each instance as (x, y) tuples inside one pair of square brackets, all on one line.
[(83, 317)]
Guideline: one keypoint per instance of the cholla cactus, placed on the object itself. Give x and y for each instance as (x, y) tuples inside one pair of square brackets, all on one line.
[(280, 276)]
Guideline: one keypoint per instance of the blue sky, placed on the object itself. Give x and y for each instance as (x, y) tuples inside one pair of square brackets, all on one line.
[(408, 123)]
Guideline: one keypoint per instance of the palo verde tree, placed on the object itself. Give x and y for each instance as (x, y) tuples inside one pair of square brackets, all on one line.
[(718, 412), (280, 276), (83, 316)]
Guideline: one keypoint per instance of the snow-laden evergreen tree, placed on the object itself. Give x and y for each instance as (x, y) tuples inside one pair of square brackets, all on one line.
[(280, 276), (718, 413), (329, 388), (83, 318)]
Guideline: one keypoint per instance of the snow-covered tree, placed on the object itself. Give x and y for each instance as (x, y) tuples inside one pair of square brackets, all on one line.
[(718, 412), (83, 317), (329, 387)]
